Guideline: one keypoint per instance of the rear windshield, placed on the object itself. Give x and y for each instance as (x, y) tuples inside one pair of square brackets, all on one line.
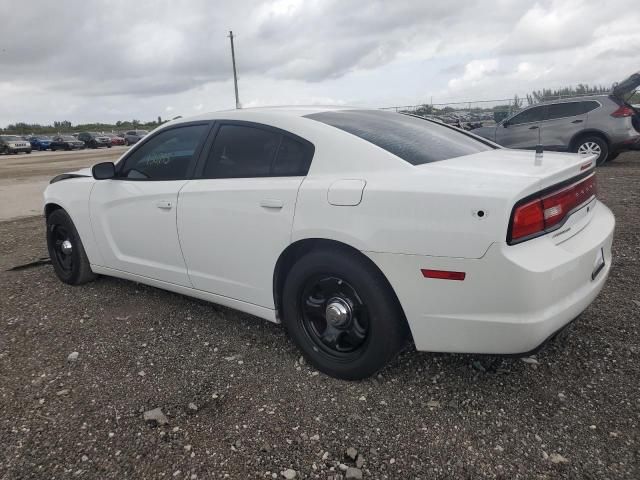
[(413, 139)]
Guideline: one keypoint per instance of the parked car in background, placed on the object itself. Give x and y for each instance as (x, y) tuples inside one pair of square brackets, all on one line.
[(354, 228), (604, 125), (115, 139), (66, 142), (134, 136), (14, 144), (94, 140), (40, 142)]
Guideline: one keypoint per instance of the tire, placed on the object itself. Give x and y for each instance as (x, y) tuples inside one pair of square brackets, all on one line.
[(108, 146), (367, 327), (612, 156), (28, 152), (53, 149), (127, 143), (593, 144), (72, 266)]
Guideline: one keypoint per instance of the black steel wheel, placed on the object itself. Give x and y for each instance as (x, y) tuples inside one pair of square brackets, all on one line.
[(66, 251), (334, 316), (342, 313)]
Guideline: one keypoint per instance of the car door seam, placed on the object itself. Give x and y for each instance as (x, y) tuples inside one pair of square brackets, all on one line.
[(186, 265)]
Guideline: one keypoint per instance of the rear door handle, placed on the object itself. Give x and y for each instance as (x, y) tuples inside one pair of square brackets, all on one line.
[(164, 204), (272, 203), (577, 121), (533, 128)]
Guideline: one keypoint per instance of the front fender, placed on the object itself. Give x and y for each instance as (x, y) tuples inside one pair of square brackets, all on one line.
[(73, 196)]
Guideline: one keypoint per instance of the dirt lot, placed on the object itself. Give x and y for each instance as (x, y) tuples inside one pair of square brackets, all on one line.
[(24, 177), (256, 411)]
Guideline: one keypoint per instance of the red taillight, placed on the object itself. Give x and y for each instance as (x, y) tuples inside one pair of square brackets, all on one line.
[(443, 274), (547, 212), (623, 111)]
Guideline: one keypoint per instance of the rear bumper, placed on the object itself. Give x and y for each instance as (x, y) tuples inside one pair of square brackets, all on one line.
[(511, 300)]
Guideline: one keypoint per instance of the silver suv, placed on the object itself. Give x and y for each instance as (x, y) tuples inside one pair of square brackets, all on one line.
[(134, 136), (599, 124)]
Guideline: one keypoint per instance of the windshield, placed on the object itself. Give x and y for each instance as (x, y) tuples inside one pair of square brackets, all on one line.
[(68, 138), (415, 140), (11, 138)]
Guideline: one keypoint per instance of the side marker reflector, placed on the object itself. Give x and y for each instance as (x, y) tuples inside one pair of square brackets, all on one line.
[(443, 274)]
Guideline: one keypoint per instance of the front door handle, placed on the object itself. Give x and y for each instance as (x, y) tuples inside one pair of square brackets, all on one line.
[(164, 205), (272, 203), (533, 128), (577, 121)]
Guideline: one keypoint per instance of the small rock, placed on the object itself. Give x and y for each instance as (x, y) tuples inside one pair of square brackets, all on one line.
[(433, 403), (342, 467), (637, 302), (85, 458), (363, 398), (614, 434), (325, 455), (359, 461), (193, 408), (392, 461), (530, 360), (592, 427), (562, 397), (265, 447), (538, 437), (557, 458), (176, 473), (63, 392), (155, 417), (499, 448), (477, 365), (238, 443), (73, 356), (289, 474), (315, 438), (351, 453), (353, 474), (111, 434), (301, 360), (141, 373), (187, 448)]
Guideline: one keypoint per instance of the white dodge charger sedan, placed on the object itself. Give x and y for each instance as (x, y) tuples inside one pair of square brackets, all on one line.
[(357, 229)]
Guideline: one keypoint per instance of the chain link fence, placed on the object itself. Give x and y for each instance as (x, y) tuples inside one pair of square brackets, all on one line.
[(471, 114)]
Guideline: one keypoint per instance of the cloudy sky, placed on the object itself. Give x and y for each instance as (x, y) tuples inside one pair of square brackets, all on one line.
[(90, 60)]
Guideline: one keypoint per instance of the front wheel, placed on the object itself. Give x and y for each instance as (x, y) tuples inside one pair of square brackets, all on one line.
[(66, 251), (342, 314), (593, 146)]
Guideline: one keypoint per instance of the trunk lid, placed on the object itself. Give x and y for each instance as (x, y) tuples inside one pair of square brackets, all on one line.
[(520, 167), (624, 89)]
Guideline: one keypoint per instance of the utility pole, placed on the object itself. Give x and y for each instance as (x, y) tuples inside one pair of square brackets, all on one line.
[(235, 74)]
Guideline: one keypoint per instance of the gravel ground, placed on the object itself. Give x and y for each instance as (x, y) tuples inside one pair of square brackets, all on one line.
[(239, 404)]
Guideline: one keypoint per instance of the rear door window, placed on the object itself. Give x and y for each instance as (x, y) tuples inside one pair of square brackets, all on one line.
[(415, 140), (570, 109), (244, 151)]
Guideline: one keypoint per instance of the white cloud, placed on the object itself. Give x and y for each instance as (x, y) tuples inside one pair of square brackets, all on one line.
[(123, 60)]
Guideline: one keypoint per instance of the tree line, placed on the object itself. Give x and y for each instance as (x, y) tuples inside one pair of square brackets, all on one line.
[(64, 126)]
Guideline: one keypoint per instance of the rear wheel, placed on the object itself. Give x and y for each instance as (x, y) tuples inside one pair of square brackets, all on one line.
[(593, 145), (66, 251), (342, 314)]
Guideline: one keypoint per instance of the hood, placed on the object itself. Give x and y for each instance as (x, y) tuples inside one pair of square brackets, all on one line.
[(82, 173), (625, 87)]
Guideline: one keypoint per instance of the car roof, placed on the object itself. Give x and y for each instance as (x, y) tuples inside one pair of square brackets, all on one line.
[(248, 113), (581, 98)]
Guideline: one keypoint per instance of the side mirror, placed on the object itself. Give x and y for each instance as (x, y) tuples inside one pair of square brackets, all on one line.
[(103, 171)]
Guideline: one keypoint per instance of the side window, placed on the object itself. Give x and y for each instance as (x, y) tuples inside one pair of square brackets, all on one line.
[(166, 156), (241, 152), (534, 114), (293, 159)]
